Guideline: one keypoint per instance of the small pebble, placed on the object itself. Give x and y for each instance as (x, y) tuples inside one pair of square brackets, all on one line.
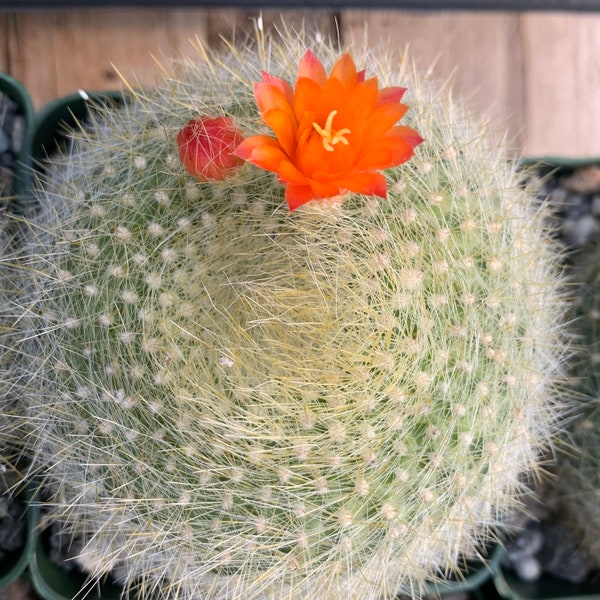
[(528, 568), (18, 590), (5, 142), (579, 232), (562, 554), (557, 198), (12, 525), (595, 208), (546, 544), (18, 133), (529, 542), (585, 180), (573, 201)]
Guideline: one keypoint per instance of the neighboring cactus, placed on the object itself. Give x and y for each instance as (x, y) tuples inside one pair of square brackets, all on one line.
[(11, 383), (230, 400), (578, 470)]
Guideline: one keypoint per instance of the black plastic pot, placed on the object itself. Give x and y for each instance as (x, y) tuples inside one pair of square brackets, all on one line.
[(55, 119), (13, 566), (59, 116), (510, 586), (472, 578), (51, 582), (18, 94)]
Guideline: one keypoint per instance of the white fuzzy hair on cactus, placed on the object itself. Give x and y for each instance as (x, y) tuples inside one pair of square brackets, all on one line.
[(228, 399)]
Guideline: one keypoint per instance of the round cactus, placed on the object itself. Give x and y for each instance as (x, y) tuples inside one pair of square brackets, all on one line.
[(230, 399), (11, 411), (578, 469)]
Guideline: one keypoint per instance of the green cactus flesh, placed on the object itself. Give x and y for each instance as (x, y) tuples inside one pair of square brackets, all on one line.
[(233, 401)]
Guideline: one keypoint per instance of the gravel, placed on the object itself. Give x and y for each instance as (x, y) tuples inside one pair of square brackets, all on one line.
[(548, 546), (13, 534), (573, 196), (12, 525), (545, 543)]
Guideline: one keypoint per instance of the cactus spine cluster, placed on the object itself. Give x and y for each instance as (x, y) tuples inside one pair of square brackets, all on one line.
[(229, 400)]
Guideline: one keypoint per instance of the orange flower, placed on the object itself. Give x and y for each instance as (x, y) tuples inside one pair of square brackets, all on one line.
[(206, 147), (333, 134)]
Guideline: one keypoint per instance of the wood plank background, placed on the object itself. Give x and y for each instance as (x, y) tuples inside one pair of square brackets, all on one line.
[(535, 74)]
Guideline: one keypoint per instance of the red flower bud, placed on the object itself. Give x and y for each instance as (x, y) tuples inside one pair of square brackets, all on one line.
[(206, 147)]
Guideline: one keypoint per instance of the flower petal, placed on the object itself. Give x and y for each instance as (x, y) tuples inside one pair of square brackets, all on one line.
[(355, 112), (389, 95), (310, 67), (386, 153), (261, 150), (297, 195), (383, 118), (284, 128), (270, 97), (359, 102), (344, 70), (289, 173), (377, 156), (390, 150), (325, 189), (279, 83), (370, 184), (406, 133), (306, 98)]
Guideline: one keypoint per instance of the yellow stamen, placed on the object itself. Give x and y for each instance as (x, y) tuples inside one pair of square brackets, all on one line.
[(331, 138)]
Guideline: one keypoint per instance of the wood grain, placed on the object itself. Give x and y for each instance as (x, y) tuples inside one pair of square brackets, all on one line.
[(561, 84), (4, 18), (536, 75), (480, 52), (58, 52), (240, 24), (55, 53)]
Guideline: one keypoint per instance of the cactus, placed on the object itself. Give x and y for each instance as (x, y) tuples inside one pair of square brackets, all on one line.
[(578, 469), (231, 400), (12, 410)]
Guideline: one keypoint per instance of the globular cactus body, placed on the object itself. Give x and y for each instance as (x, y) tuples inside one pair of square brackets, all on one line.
[(230, 400)]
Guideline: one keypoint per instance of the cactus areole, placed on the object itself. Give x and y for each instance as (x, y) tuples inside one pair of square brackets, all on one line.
[(233, 399)]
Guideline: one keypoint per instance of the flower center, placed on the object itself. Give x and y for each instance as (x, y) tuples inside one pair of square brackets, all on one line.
[(330, 137)]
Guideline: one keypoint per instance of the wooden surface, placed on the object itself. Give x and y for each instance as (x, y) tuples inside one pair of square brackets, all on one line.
[(480, 52), (536, 74)]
